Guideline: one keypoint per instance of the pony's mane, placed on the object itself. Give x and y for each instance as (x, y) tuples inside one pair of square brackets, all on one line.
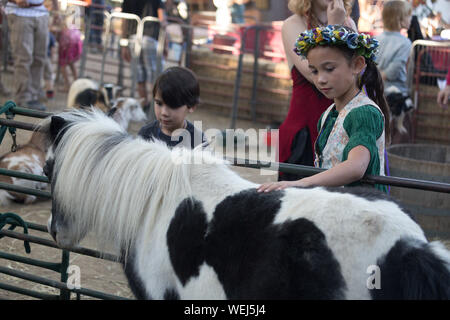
[(110, 180)]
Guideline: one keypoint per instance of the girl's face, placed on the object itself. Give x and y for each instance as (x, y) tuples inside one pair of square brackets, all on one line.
[(170, 119), (332, 73)]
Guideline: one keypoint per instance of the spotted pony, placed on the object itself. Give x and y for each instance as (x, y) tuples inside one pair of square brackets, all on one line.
[(188, 227)]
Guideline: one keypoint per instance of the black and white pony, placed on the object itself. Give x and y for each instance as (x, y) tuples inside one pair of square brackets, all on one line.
[(188, 227)]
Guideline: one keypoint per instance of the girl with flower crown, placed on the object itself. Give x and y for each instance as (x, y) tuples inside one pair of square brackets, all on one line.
[(299, 130), (352, 130)]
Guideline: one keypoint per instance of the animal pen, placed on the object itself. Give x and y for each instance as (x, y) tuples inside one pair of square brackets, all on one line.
[(256, 90)]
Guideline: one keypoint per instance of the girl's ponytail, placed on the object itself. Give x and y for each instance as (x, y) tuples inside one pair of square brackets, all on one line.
[(373, 82)]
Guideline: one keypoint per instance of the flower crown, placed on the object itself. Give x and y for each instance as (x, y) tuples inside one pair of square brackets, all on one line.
[(363, 44)]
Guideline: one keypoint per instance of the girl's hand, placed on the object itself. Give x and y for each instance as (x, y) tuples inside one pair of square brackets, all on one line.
[(443, 97), (336, 12), (280, 185), (350, 23)]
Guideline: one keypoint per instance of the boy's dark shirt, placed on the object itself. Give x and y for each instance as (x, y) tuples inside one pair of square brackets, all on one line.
[(144, 8), (153, 131)]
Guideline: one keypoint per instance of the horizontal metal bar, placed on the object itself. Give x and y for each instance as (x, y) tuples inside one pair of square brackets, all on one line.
[(31, 225), (30, 293), (58, 284), (33, 262), (370, 179), (30, 191), (23, 175), (30, 112), (18, 124), (52, 244)]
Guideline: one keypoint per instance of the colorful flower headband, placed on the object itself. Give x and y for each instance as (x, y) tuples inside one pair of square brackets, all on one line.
[(363, 44)]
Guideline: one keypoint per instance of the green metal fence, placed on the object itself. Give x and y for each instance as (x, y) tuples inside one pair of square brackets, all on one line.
[(10, 221)]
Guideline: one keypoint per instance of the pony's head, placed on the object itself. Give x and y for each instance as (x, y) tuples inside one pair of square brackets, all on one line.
[(69, 134), (58, 225), (107, 182)]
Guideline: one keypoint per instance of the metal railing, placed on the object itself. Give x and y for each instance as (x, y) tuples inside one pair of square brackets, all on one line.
[(11, 221), (429, 62)]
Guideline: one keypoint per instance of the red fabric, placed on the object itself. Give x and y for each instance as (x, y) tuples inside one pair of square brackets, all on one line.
[(448, 77), (306, 107)]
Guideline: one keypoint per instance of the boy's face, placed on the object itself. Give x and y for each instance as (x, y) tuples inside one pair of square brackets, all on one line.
[(170, 119)]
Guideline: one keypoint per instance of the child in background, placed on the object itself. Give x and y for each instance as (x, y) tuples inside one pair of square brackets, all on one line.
[(176, 93), (394, 48), (351, 140), (69, 52)]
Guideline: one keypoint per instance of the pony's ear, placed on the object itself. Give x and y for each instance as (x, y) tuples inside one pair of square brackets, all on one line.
[(56, 125)]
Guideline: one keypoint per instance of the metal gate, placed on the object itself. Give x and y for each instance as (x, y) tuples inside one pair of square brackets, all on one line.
[(63, 289), (428, 65)]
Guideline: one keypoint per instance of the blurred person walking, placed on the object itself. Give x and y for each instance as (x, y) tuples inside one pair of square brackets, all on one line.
[(28, 27), (148, 60)]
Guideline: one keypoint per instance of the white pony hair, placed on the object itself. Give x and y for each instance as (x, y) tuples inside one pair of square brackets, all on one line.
[(142, 176)]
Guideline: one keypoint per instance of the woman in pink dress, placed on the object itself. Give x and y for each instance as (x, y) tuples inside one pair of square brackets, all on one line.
[(298, 132)]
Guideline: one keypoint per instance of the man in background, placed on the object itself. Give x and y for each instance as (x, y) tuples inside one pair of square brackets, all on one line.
[(28, 29), (148, 61)]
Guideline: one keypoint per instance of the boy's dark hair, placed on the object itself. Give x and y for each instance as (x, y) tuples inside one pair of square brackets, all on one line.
[(177, 86)]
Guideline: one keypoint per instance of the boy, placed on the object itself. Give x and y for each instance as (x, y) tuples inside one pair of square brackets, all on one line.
[(176, 94)]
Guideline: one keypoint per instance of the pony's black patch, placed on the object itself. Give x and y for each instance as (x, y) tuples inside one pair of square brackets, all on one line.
[(58, 126), (185, 239), (411, 271), (255, 259), (171, 294), (48, 169), (134, 280), (57, 218)]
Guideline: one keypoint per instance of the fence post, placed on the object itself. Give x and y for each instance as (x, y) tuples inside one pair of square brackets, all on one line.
[(64, 293), (4, 42)]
